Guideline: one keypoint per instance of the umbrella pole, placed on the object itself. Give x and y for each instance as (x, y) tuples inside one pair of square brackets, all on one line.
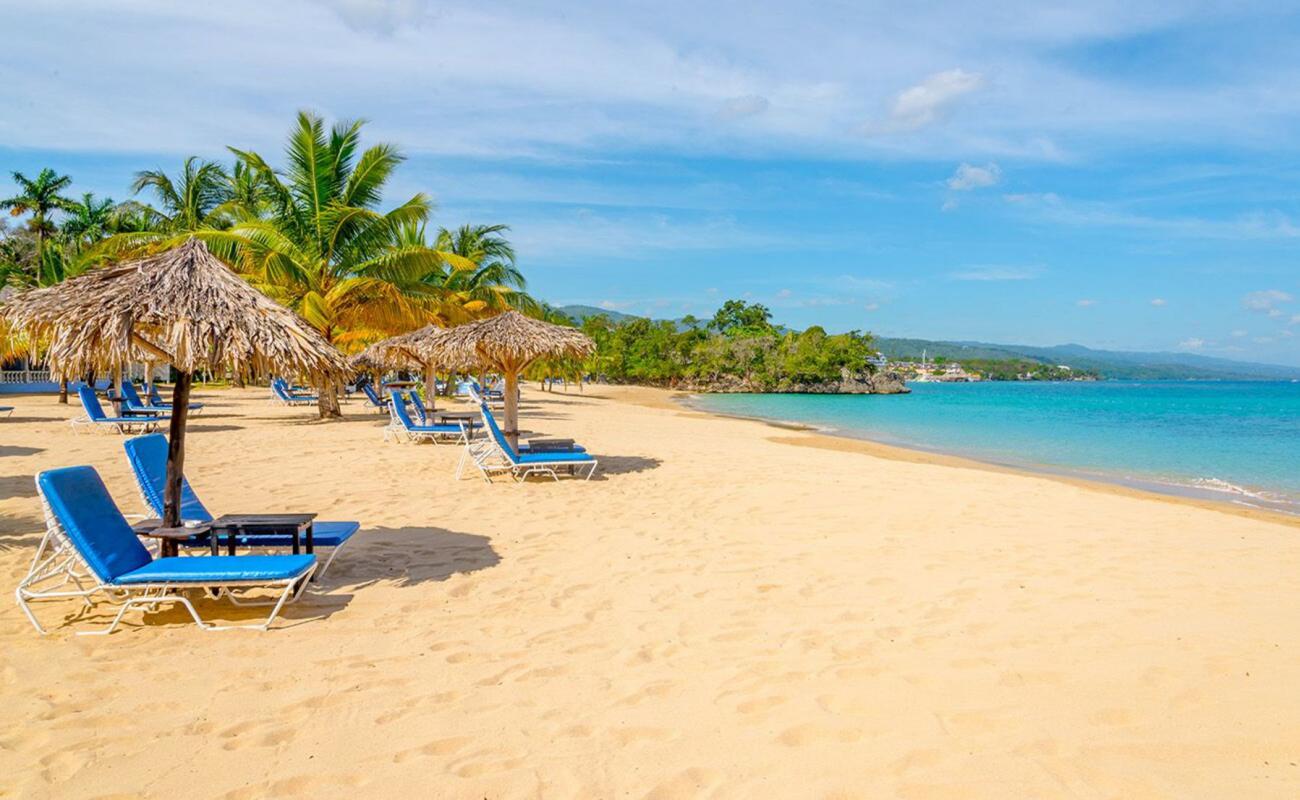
[(430, 386), (512, 408), (176, 453)]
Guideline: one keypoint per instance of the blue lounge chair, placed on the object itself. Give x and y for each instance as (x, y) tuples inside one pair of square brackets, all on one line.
[(494, 454), (281, 392), (131, 403), (6, 410), (96, 418), (90, 545), (148, 458), (155, 399), (400, 425), (374, 400)]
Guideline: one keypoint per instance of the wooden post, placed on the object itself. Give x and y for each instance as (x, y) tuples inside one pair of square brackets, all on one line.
[(512, 408), (176, 449), (430, 386)]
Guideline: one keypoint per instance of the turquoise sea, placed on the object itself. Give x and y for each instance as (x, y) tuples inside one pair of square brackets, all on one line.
[(1237, 442)]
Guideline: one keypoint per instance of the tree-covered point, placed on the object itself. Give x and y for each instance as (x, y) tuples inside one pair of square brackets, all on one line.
[(739, 346)]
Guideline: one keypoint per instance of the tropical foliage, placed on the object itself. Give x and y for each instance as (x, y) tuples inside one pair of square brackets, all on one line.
[(738, 348), (311, 231)]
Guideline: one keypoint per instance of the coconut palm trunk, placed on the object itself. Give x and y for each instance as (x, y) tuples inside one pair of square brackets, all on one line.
[(327, 399)]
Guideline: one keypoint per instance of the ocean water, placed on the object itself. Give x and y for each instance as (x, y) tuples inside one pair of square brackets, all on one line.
[(1237, 442)]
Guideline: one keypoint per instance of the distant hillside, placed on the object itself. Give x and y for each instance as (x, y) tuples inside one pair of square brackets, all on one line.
[(1116, 364), (580, 312)]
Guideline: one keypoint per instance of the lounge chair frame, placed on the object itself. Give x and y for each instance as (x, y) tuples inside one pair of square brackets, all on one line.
[(281, 393), (122, 425), (151, 511), (491, 457), (398, 428), (58, 563)]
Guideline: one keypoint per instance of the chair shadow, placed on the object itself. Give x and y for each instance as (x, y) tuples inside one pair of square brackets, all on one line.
[(409, 556), (17, 450), (3, 420), (18, 532), (17, 486), (192, 428), (624, 465)]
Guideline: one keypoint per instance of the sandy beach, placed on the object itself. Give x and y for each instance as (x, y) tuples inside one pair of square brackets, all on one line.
[(727, 610)]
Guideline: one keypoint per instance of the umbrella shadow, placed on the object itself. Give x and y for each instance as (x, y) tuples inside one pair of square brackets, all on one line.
[(18, 420), (17, 486), (411, 555), (201, 428), (20, 532), (18, 450)]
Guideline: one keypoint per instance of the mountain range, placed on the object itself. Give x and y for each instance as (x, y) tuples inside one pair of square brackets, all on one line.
[(1113, 364)]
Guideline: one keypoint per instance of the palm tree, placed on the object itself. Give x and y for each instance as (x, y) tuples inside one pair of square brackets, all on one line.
[(495, 283), (89, 221), (187, 203), (193, 201), (317, 243), (40, 198)]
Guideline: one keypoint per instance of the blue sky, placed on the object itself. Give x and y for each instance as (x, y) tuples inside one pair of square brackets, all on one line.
[(1125, 175)]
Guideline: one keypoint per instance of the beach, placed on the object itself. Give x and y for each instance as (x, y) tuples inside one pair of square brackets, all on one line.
[(727, 609)]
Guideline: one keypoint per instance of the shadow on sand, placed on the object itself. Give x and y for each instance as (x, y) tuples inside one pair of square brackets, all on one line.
[(409, 556), (17, 486), (624, 465), (201, 428), (16, 450)]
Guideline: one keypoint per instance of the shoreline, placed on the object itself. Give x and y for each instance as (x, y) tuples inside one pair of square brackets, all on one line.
[(834, 439)]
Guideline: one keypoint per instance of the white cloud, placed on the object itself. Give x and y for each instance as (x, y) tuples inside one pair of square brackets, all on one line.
[(1085, 303), (747, 105), (1239, 333), (968, 177), (922, 104), (1191, 344), (872, 307), (996, 274), (507, 78), (1266, 301), (1159, 302)]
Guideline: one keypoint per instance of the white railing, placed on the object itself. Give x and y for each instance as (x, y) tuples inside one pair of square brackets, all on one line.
[(24, 376)]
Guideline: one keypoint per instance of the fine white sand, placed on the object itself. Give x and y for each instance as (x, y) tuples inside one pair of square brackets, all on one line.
[(721, 613)]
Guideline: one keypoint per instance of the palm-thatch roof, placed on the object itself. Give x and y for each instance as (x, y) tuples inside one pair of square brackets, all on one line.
[(183, 305), (418, 349), (510, 342)]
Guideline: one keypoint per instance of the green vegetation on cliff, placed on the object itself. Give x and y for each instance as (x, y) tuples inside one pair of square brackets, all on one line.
[(739, 348)]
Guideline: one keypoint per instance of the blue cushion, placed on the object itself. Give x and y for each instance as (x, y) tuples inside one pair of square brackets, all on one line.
[(91, 403), (219, 569), (553, 458), (577, 448), (148, 458), (433, 428), (84, 508), (324, 534)]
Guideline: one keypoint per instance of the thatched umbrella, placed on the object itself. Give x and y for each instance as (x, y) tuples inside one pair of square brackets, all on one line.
[(183, 306), (419, 349), (508, 343)]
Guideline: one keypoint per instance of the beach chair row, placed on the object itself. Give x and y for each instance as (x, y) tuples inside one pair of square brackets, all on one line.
[(90, 551)]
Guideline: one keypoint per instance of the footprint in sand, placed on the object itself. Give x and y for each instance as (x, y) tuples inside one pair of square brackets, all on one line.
[(689, 783)]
